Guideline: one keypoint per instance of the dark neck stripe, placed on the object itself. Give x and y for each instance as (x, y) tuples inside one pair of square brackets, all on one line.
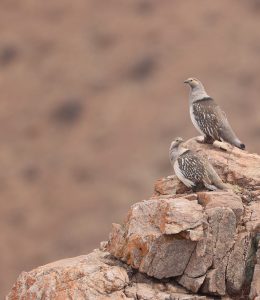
[(203, 99)]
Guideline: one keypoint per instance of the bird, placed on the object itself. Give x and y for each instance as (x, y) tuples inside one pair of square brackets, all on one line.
[(192, 169), (208, 118)]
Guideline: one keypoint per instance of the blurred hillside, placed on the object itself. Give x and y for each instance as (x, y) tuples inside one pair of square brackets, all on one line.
[(92, 94)]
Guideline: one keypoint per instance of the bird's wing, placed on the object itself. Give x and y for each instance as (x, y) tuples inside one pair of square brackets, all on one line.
[(213, 120), (192, 166), (208, 116)]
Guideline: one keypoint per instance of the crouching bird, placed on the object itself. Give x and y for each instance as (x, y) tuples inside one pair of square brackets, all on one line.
[(208, 118), (193, 170)]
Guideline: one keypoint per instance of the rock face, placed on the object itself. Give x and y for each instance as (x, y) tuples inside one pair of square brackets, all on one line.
[(255, 286), (205, 240), (94, 276), (176, 245)]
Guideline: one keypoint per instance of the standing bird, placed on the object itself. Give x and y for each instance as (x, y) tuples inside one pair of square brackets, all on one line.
[(208, 118), (193, 170)]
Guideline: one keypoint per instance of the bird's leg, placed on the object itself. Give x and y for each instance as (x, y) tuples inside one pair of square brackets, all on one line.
[(194, 189), (197, 187), (205, 139), (208, 140), (210, 187)]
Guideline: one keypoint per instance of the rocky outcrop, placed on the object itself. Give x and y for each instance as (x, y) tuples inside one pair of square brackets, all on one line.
[(94, 276), (205, 240), (176, 245), (166, 238)]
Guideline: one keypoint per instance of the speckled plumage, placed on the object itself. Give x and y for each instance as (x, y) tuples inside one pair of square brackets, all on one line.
[(208, 118), (192, 169)]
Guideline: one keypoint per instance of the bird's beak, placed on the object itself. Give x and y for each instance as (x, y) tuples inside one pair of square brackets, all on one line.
[(186, 81)]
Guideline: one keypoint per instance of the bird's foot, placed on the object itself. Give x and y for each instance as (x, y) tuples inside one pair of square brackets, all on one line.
[(200, 139), (222, 146), (198, 187), (210, 187), (208, 140)]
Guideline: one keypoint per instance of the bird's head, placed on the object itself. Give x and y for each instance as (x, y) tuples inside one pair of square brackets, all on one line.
[(193, 82), (197, 91), (176, 142)]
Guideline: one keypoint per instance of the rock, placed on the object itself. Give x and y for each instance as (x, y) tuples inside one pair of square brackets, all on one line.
[(222, 199), (152, 232), (182, 215), (222, 224), (96, 276), (167, 257), (255, 286), (222, 228), (253, 217), (154, 240), (169, 186), (177, 245), (192, 284), (236, 268), (84, 277), (202, 258)]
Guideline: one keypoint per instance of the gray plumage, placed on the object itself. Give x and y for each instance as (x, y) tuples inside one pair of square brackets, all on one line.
[(208, 118), (192, 169)]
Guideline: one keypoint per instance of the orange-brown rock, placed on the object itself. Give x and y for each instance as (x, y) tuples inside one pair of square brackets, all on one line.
[(255, 286), (178, 244), (96, 276), (205, 239), (222, 199), (152, 232)]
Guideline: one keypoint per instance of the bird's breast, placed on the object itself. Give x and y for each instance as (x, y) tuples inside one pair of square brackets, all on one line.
[(193, 119)]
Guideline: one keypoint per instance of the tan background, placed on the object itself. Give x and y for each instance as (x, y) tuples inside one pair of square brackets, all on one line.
[(92, 94)]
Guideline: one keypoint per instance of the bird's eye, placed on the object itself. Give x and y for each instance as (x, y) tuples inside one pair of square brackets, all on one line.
[(191, 80)]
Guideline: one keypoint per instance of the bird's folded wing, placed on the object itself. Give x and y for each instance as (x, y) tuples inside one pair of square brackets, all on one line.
[(191, 166), (208, 116)]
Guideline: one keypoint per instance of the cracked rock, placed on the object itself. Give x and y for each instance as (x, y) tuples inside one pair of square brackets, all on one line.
[(236, 268), (96, 276), (222, 199), (151, 239), (255, 286), (177, 245)]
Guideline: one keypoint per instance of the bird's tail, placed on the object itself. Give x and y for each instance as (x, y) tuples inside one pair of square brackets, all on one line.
[(239, 144), (228, 135), (221, 185), (216, 180)]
